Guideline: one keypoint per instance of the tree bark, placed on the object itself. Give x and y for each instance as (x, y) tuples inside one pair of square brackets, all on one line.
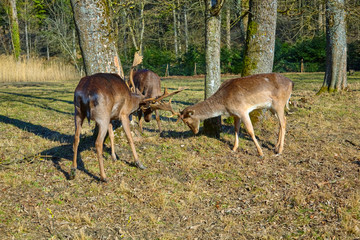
[(335, 78), (97, 41), (212, 126), (14, 26), (260, 37)]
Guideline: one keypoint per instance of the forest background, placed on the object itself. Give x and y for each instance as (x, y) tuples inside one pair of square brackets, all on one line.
[(170, 34)]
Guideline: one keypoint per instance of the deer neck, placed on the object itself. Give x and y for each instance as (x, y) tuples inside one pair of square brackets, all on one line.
[(209, 108)]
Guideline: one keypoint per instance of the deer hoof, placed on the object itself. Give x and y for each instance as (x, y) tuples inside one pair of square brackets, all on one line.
[(104, 180), (140, 165), (72, 173)]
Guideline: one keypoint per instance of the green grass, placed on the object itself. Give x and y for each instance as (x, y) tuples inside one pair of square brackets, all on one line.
[(194, 186)]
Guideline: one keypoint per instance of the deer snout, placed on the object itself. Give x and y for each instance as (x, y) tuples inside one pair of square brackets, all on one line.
[(147, 115)]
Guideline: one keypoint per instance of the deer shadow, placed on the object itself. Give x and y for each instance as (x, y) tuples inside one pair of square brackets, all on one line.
[(59, 153)]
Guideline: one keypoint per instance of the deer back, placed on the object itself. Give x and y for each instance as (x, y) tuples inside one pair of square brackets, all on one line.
[(104, 94), (148, 83), (251, 92)]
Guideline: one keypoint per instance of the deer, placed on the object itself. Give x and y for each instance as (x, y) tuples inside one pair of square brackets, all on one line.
[(240, 96), (104, 97), (149, 84)]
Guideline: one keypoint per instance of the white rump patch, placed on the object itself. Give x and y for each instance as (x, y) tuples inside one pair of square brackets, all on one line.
[(266, 79), (265, 105)]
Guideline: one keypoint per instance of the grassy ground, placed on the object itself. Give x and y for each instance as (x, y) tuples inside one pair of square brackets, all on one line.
[(194, 186)]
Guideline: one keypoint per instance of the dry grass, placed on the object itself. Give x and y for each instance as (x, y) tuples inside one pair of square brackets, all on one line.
[(35, 70), (194, 186)]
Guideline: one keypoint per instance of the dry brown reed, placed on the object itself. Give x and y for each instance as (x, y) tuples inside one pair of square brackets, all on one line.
[(35, 70)]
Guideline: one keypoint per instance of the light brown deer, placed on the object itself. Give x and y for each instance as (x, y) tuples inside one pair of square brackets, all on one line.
[(103, 97), (149, 84), (238, 97)]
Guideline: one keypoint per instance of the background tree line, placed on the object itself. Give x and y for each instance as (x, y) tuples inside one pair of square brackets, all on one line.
[(171, 33)]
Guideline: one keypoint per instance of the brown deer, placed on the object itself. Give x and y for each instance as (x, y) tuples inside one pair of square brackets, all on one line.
[(103, 97), (148, 83), (238, 97)]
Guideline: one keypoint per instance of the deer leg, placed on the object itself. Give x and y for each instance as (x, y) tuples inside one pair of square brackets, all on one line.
[(111, 136), (237, 128), (140, 113), (78, 123), (157, 115), (249, 128), (99, 148), (126, 126), (281, 138)]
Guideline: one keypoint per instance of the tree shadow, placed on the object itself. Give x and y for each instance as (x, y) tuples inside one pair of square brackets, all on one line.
[(37, 130), (43, 106), (37, 97)]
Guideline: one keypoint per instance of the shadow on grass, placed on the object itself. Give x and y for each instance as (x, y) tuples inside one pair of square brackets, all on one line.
[(37, 97), (60, 152), (43, 106), (37, 130)]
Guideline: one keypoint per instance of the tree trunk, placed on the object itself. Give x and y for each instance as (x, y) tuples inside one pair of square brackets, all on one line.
[(336, 50), (239, 12), (27, 41), (320, 27), (26, 32), (212, 126), (175, 33), (228, 29), (97, 41), (186, 29), (14, 26), (260, 37), (142, 19)]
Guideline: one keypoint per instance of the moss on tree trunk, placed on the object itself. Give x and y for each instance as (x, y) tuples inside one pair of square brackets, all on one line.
[(335, 78)]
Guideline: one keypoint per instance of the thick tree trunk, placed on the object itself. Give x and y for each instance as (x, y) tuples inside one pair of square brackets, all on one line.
[(212, 126), (336, 50), (260, 37), (14, 26), (97, 41)]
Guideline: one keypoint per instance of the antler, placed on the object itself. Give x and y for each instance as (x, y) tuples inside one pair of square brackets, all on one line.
[(165, 95), (166, 107), (158, 104)]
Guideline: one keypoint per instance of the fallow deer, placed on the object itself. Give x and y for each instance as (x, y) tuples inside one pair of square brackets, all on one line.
[(148, 83), (238, 97), (104, 97)]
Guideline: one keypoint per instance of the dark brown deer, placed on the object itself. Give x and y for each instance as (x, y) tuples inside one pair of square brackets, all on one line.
[(238, 97), (148, 83)]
